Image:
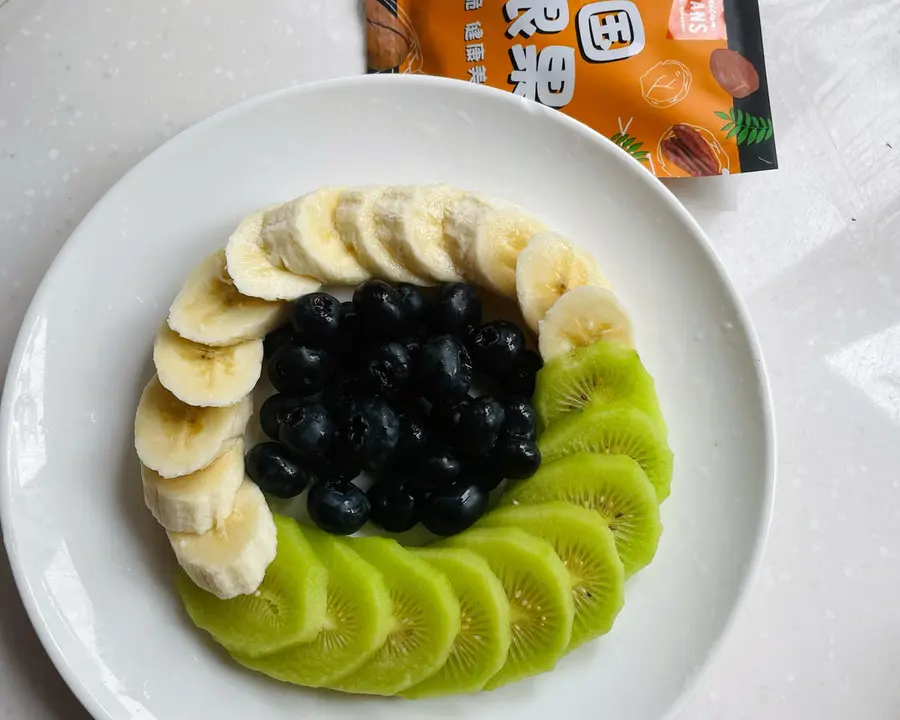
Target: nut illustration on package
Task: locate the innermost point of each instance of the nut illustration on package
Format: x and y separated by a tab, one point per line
673	67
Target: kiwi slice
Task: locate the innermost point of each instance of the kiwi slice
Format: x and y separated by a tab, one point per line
481	647
587	548
613	431
614	486
424	625
601	374
288	607
358	619
537	587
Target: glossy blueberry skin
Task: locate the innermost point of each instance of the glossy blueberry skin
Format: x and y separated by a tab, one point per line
521	418
414	435
496	347
412	304
457	310
479	426
438	467
308	432
454	508
395	506
443	373
369	430
378	307
275	410
337	467
276	470
350	335
316	319
516	458
298	370
386	369
444	418
521	379
277	339
483	474
339	508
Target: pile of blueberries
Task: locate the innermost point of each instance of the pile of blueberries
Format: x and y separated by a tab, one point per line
381	384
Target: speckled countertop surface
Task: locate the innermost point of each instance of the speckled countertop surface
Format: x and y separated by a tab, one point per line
89	88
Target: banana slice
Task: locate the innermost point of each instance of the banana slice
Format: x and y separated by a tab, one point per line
302	232
232	559
548	267
355	221
257	270
203	375
175	439
581	317
210	310
410	223
485	238
200	501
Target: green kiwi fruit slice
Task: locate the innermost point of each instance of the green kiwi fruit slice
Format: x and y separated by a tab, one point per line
358	619
601	374
288	607
481	647
613	486
424	625
587	548
613	431
537	587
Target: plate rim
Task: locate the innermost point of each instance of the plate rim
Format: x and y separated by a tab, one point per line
25	589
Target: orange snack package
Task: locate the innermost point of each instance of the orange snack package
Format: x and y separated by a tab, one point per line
680	85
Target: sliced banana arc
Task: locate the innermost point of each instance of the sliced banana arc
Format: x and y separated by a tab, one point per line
485	238
257	270
410	223
581	317
232	559
302	232
174	438
203	375
355	222
197	502
210	310
548	267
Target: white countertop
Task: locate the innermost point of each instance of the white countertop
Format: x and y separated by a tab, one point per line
89	88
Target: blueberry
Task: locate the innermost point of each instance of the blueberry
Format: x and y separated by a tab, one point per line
307	431
369	431
521	419
496	347
276	470
337	467
340	390
316	318
339	508
350	335
522	377
394	505
298	369
413	345
515	457
444	418
480	422
378	307
485	475
276	339
386	368
454	508
275	410
457	310
444	370
439	466
412	304
413	435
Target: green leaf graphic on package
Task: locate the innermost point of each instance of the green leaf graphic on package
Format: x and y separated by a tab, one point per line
747	128
631	145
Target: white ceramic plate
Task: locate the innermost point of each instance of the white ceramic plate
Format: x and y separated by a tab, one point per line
93	567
